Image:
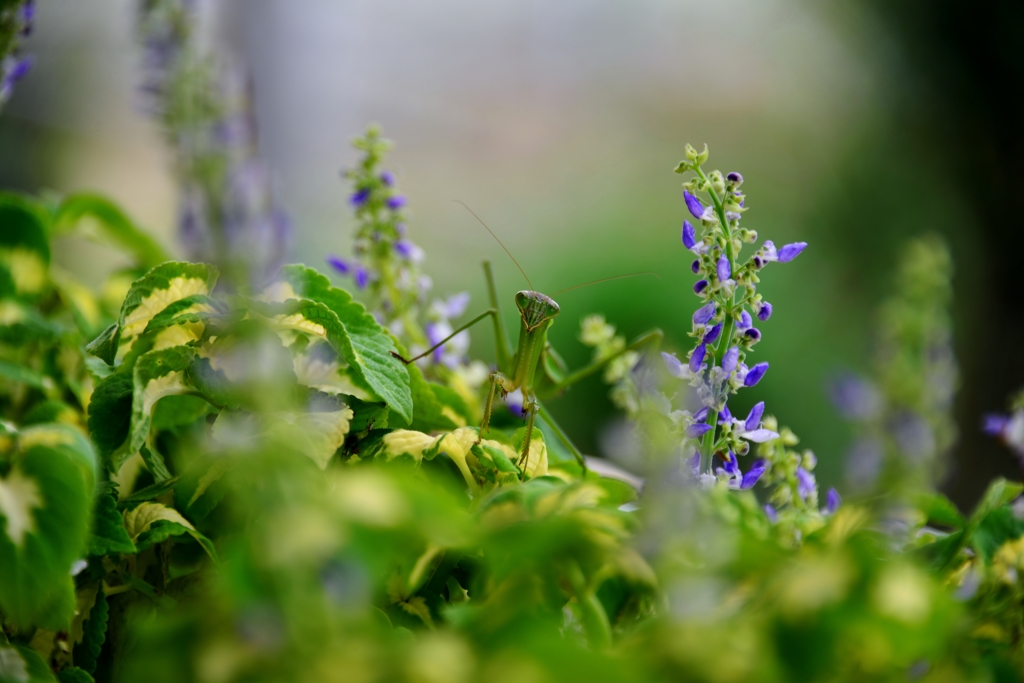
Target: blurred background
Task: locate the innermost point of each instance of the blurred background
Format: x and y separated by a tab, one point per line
857	124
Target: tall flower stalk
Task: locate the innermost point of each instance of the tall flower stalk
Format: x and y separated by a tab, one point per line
228	214
16	19
723	326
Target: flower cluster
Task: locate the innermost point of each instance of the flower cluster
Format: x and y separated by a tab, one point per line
228	213
598	334
16	20
386	264
1008	427
903	413
724	325
789	474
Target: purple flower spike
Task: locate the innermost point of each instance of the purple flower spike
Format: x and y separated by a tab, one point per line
361	276
697	357
832	501
724	415
699	286
994	424
771	514
338	264
712	335
693	204
359	197
791	251
701	414
724	269
753	333
753	474
765	311
805	482
753	420
388	178
734	177
397	202
689	235
755	374
695	266
697	430
729	360
704	314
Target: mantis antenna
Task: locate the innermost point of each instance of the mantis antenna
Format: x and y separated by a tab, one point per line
606	279
497	240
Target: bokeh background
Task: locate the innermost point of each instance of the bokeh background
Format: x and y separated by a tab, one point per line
857	123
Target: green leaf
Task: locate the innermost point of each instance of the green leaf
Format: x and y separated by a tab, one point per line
998	527
151	523
104	346
94	634
999	493
151	492
428	412
198	491
19	374
75	675
362	342
110	416
939	510
156	374
24	247
115	225
45	503
148	296
109	536
23	665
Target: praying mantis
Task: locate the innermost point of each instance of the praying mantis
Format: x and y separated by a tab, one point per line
534	367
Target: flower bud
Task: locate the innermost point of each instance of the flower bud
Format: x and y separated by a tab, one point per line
339	264
689	234
730	359
695	266
697	357
704	314
753	420
712	334
699	286
735	178
753	334
755	374
697	430
791	251
693	204
764	311
724	268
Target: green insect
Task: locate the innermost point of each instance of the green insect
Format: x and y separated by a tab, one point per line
519	369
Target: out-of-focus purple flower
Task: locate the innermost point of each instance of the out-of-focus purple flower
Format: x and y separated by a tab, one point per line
832	501
755	374
695	266
400	229
730	359
699	286
753	474
693	204
339	264
19	68
456	305
396	202
724	268
694	463
855	397
388	178
675	366
752	333
359	197
994	424
701	414
514	402
724	415
409	251
791	251
771	514
744	322
697	430
704	314
753	420
731	466
805	482
712	334
361	277
697	357
764	311
734	177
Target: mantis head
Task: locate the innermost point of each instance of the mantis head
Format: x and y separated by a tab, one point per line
535	308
